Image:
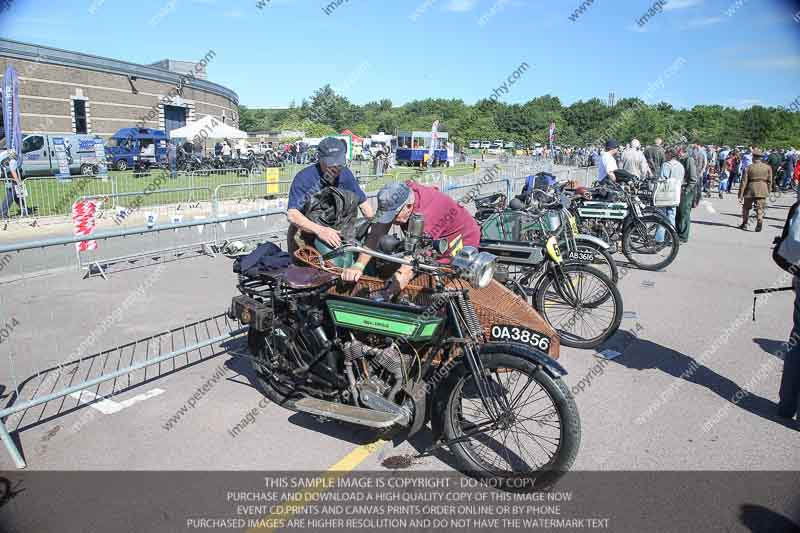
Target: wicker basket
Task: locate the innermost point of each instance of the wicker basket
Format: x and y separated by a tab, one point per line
494	305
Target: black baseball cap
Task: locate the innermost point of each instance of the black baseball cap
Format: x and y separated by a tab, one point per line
611	144
332	151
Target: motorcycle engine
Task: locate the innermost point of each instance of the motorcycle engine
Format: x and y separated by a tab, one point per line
389	366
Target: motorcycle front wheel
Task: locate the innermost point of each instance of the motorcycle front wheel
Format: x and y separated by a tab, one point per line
603	260
539	436
650	244
580	303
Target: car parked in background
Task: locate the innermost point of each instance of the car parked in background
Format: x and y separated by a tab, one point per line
475	144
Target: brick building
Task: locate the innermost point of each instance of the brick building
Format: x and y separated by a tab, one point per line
71	92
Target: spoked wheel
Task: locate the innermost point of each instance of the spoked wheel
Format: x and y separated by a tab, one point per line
601	261
535	440
650	244
277	386
581	303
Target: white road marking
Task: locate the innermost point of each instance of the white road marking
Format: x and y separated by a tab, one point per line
709	207
109	407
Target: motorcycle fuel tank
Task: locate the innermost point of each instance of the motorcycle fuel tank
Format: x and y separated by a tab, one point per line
613	210
390	320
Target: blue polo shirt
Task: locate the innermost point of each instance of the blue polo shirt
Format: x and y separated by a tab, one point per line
307	182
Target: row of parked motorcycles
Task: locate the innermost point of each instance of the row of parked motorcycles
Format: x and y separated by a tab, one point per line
470	347
248	162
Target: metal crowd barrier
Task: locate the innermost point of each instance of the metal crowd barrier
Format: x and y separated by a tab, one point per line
226	330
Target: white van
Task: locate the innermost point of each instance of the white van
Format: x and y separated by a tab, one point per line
39	158
474	144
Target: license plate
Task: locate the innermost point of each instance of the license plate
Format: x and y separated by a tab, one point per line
584	257
522	335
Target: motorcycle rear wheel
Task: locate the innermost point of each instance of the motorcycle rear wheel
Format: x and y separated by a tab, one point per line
638	243
539	404
270	385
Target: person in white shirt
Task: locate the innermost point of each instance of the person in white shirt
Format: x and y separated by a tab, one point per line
226	150
673	172
148	152
607	164
633	160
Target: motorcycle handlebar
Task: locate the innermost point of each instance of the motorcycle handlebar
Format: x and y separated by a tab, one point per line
380	255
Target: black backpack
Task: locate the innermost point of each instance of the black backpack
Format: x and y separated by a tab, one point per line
786	253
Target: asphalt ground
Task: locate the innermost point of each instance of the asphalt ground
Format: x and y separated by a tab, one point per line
638	413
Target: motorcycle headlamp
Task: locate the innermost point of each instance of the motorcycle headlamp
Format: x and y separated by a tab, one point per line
475	267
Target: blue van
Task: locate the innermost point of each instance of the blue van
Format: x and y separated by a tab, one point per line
129	146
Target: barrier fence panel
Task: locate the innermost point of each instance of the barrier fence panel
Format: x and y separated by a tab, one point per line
50	196
176	239
116	314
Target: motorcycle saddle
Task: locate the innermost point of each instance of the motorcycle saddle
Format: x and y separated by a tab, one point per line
300	278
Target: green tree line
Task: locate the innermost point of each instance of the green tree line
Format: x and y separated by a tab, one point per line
583	122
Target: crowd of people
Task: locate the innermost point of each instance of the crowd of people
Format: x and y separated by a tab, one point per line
695	169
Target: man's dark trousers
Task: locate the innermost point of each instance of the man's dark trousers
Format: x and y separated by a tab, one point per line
683	220
789	394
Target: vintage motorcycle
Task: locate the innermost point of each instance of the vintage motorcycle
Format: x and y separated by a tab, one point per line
537	217
578	299
490	391
617	213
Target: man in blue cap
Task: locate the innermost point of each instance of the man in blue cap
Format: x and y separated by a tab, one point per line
444	218
330	171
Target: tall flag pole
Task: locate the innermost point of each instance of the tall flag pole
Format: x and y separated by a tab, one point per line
11	119
434	136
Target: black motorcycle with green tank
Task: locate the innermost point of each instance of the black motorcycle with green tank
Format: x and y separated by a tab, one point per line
486	379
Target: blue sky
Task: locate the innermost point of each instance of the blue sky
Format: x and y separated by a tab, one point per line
737	52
